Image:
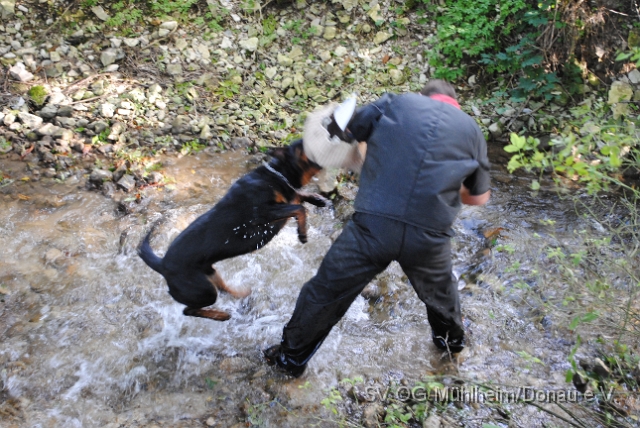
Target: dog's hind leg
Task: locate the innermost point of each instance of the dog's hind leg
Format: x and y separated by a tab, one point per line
212	314
219	283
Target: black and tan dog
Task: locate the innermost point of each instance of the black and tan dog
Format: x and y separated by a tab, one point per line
252	212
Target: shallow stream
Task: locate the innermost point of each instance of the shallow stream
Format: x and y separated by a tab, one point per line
90	336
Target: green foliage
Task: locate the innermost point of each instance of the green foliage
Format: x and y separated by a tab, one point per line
593	148
38	94
466	29
633	55
330	402
191	147
101	138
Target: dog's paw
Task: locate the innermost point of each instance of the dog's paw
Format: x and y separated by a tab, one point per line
240	294
319	201
302	238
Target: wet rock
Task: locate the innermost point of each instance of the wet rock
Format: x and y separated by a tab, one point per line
99	176
52	256
20	73
119	172
108	189
127	183
155	177
240	142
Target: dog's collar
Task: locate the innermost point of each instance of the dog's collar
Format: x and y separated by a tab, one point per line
270	169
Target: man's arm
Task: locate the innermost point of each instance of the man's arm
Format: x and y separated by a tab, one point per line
469	199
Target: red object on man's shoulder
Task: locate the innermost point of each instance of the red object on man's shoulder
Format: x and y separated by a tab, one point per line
445	99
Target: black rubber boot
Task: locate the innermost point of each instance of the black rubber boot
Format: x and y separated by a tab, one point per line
452	345
274	356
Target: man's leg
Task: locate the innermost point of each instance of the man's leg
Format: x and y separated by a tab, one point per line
357	256
426	259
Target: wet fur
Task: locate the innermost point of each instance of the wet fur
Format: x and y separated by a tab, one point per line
252	212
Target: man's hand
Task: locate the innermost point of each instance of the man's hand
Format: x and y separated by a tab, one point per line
469	199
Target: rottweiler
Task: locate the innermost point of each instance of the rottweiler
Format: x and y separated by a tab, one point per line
252	212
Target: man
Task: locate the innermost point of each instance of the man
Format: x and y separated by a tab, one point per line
424	157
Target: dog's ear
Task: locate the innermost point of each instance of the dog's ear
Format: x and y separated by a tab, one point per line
278	152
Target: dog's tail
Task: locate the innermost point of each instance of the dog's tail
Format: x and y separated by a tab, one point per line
146	253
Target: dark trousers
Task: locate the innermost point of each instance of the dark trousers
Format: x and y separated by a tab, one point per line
365	248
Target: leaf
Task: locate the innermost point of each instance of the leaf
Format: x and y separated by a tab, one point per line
535	185
510	148
588	317
624	55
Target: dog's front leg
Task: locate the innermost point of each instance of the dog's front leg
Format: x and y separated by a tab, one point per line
291	210
314	199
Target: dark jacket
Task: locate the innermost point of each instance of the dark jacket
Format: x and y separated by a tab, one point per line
419	152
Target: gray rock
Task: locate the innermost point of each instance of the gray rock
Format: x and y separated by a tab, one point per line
495	130
634	76
99	176
107	110
48	129
174	69
155	177
169	25
30	121
381	37
65	111
180	124
155	89
137	95
48	112
132	43
99	126
58	98
396	76
9	118
108	56
329	33
205	133
284	60
7	8
100	13
119	172
19	72
127	183
250	44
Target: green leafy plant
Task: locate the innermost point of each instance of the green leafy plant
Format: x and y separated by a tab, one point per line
191	147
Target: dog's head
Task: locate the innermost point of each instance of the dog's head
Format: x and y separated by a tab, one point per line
294	164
